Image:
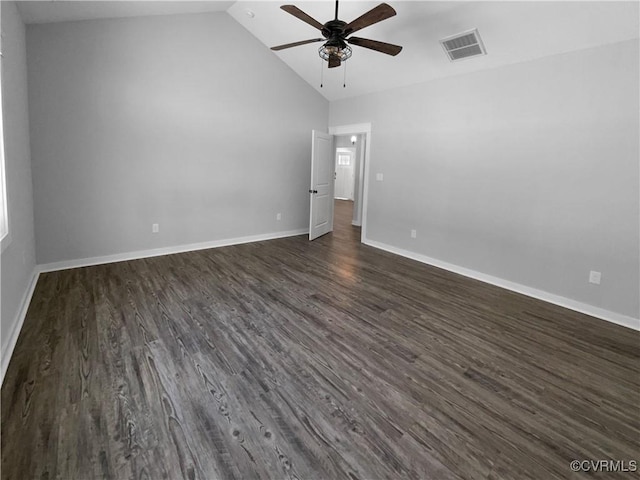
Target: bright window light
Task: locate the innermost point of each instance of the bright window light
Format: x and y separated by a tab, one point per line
4	221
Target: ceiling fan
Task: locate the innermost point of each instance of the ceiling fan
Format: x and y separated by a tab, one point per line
337	33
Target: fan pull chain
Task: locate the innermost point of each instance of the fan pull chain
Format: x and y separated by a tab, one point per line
321	71
344	80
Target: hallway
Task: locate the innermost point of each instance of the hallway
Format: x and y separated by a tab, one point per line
342	217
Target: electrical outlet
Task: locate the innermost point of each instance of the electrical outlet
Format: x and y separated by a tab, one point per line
279	216
155	228
414	234
594	277
379	177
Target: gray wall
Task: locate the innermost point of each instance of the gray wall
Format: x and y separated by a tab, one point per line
187	121
528	172
18	258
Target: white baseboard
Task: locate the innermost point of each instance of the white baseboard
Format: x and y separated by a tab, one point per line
613	317
156	252
7	350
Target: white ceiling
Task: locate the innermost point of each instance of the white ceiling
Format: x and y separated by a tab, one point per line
512	32
62	11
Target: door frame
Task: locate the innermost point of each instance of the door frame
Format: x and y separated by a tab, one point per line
359	129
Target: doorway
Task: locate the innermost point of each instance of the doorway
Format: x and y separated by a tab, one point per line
358	137
324	173
348	150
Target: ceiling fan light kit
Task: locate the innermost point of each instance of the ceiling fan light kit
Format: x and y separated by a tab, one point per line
337	34
329	52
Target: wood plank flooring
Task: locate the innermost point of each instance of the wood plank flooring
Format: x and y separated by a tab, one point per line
295	360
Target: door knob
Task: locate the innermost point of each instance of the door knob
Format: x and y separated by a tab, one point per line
313	191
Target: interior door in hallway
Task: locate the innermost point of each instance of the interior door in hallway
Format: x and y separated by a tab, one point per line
321	189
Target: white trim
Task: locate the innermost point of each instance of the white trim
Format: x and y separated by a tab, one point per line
354	129
18	321
601	313
360	161
156	252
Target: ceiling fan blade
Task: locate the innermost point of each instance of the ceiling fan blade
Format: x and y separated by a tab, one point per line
296	12
383	47
334	61
375	15
295	44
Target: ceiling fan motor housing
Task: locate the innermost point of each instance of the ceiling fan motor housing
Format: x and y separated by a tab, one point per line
333	29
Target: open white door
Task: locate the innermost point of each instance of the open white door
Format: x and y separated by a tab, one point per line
321	191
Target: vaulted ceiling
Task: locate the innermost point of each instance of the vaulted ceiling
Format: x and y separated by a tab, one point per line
63	11
512	32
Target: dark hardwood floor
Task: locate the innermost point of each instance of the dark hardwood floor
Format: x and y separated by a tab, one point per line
325	360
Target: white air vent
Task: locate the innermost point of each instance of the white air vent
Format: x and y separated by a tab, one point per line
463	45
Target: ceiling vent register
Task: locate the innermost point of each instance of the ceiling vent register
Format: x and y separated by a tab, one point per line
463	45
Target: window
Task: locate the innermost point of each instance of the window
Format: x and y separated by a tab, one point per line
344	160
4	221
